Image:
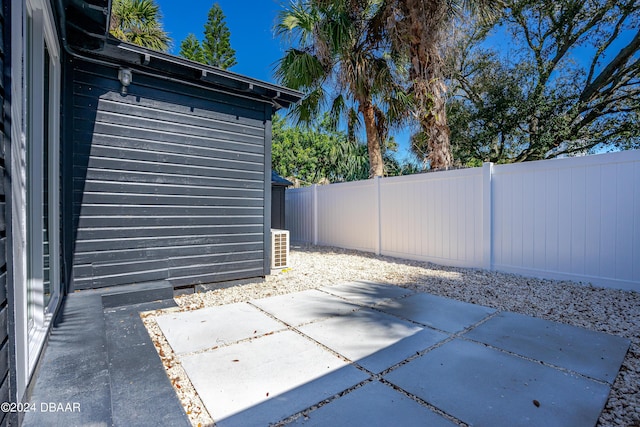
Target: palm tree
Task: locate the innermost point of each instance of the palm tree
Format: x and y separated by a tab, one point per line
415	29
138	22
338	65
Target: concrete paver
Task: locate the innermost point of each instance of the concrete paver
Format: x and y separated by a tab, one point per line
303	307
242	376
197	330
484	386
372	339
594	354
438	312
367	293
337	341
373	404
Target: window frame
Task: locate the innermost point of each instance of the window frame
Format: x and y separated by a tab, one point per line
40	40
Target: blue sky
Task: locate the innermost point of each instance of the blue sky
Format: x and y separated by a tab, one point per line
251	25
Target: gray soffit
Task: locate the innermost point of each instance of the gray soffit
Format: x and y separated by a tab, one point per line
84	24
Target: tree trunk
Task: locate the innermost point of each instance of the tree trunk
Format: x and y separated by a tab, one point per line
425	20
376	164
434	124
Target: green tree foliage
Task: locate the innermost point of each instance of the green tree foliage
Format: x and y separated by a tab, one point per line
569	85
190	48
216	48
315	154
341	68
138	22
217	40
320	154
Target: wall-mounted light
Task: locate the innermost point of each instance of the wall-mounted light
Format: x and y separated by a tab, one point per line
125	77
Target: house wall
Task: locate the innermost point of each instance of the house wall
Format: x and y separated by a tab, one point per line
571	219
277	207
169	181
4	307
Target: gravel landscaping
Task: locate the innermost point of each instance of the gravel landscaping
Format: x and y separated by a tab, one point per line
607	310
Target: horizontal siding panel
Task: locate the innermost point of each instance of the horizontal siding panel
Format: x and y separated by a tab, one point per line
88	210
125	154
104	270
212	260
81	271
166	179
159	199
160	232
206	147
129	255
149	118
207	269
166	221
123	279
193	265
151	242
179	266
178	277
167	190
216	276
85	129
84	135
80	169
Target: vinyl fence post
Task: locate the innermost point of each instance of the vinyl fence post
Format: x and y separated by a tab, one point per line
378	217
487	216
315	214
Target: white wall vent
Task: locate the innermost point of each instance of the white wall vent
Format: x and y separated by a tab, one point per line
279	249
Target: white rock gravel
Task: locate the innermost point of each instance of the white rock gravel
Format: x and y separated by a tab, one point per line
607	310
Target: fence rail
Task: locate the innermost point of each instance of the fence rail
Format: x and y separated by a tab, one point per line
575	219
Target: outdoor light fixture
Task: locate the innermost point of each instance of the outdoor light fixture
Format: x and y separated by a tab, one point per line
125	77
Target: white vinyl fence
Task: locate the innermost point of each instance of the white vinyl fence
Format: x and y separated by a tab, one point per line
576	218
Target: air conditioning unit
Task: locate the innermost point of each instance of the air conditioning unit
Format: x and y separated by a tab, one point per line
279	249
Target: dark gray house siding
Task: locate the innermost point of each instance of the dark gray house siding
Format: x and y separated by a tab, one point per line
5	380
168	181
277	207
278	188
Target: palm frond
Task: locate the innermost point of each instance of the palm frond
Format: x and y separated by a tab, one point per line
300	70
139	22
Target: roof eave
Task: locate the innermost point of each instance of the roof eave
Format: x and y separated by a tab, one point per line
85	34
280	96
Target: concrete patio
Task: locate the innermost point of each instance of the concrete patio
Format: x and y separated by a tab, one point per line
370	354
352	354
